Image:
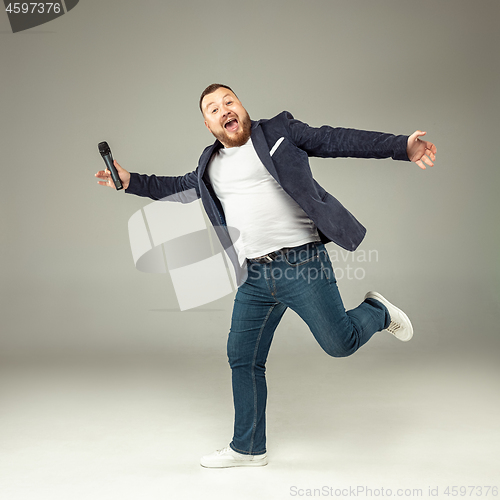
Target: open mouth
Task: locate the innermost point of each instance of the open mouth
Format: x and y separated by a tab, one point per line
231	125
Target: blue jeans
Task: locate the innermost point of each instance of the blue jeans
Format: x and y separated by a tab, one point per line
302	279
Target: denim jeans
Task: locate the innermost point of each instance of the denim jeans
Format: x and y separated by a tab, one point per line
302	279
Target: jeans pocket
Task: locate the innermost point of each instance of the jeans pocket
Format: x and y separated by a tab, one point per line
326	267
301	255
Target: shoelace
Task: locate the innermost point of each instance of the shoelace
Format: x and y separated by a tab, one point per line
393	327
227	448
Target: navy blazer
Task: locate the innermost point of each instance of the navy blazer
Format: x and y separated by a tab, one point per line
284	144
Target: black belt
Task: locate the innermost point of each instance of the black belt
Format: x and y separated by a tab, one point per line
269	257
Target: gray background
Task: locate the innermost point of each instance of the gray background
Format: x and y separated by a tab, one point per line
107	390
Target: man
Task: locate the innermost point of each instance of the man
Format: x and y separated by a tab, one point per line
256	179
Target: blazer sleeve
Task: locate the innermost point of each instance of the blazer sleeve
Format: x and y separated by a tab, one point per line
330	142
186	187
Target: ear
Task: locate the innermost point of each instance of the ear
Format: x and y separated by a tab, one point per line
206	125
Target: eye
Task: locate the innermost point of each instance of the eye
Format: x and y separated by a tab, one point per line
229	103
213	110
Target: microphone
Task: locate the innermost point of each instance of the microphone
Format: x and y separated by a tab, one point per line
108	160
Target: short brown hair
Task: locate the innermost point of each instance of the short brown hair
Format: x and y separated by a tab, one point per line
212	88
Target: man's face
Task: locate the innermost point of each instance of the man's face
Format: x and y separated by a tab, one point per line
226	118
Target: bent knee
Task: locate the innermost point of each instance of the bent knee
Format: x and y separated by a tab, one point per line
339	353
339	350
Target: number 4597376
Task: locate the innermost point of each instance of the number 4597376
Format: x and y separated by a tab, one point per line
32	8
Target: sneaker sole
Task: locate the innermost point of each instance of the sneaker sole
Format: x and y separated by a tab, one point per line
242	463
383	300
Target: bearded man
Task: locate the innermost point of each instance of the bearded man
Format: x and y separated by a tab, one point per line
256	178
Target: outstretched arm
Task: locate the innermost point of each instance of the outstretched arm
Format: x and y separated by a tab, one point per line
329	142
421	152
339	142
152	186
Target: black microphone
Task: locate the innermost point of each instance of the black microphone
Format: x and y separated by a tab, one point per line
108	160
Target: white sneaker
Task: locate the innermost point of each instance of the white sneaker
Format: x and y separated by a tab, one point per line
227	457
400	325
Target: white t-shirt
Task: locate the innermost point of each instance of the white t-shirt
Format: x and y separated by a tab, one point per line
264	216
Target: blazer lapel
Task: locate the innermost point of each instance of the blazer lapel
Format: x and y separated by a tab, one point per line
262	149
206	158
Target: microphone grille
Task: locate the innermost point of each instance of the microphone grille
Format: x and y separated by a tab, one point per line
104	148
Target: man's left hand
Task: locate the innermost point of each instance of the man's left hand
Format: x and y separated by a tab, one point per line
421	152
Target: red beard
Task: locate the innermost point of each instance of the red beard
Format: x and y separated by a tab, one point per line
238	139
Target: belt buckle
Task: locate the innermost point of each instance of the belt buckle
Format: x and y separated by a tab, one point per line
269	257
264	259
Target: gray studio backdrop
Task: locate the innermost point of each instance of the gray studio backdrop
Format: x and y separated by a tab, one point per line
130	73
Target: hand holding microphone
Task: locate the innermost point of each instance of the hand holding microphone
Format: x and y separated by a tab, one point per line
114	176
